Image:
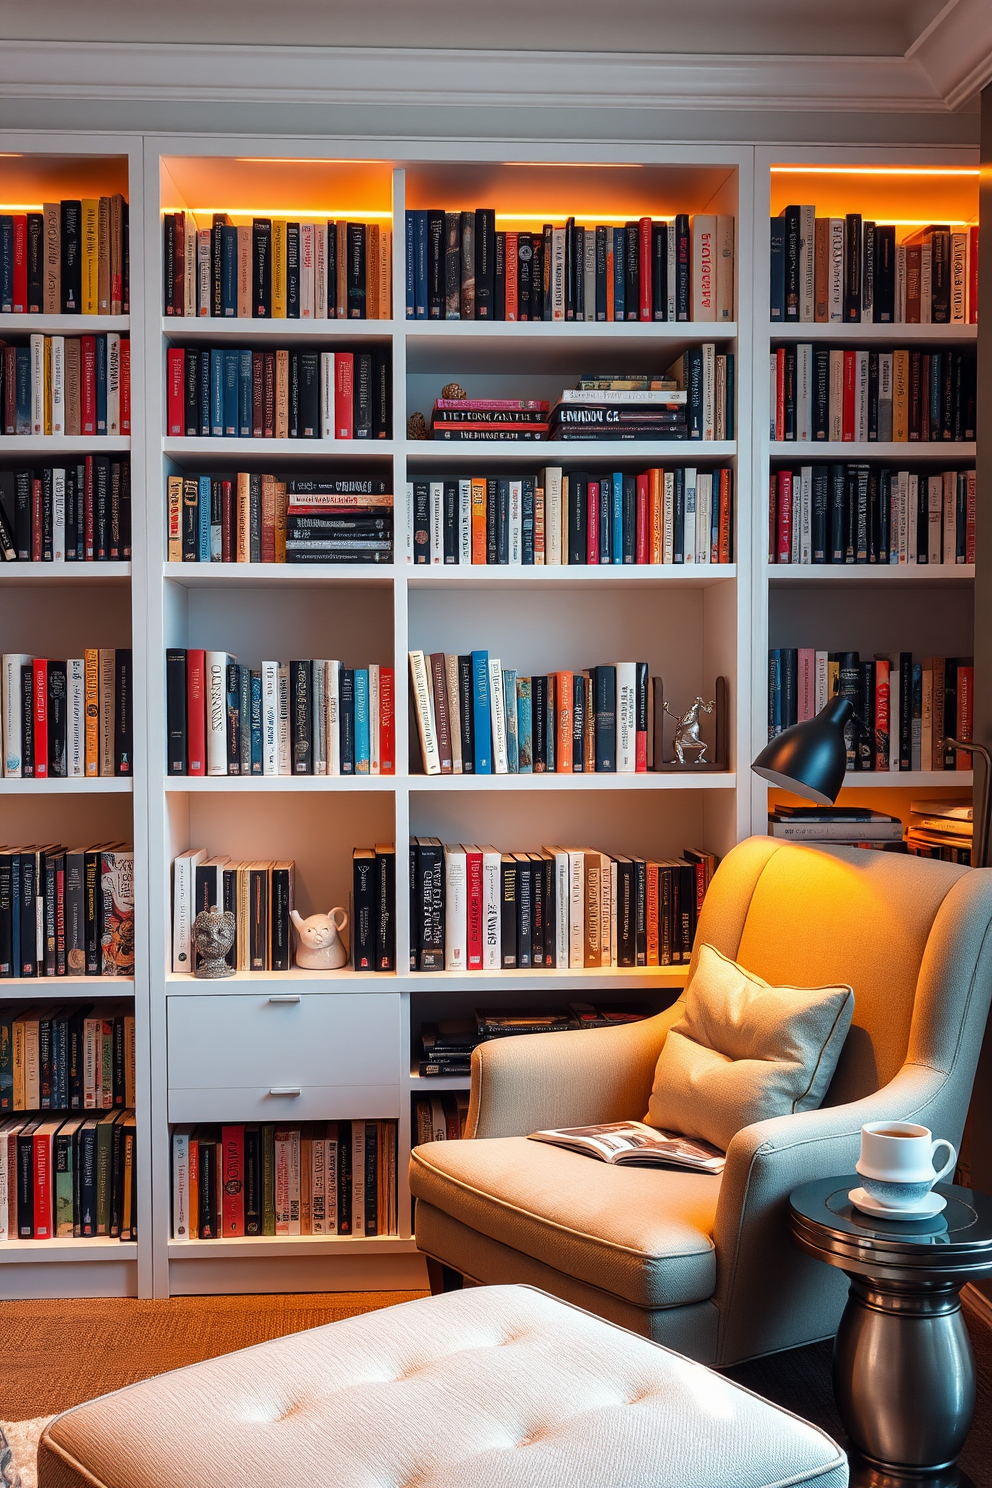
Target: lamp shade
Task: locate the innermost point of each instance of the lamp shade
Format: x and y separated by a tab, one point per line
810	759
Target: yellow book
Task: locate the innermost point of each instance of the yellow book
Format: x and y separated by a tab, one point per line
242	541
278	268
175	519
385	274
107	661
91	661
372	272
900	396
90	235
103	276
478	521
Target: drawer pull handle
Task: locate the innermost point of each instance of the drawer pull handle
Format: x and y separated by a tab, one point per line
287	998
285	1090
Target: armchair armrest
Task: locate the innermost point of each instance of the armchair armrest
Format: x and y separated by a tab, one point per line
524	1084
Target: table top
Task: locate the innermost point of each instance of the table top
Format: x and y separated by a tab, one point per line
955	1242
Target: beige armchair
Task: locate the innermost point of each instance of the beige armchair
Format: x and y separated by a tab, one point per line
704	1264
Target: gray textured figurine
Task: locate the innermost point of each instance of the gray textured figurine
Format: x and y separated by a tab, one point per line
213	937
321	947
687	730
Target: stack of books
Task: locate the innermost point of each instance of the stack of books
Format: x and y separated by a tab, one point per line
940	829
71	258
66	385
67	719
620	408
63	1179
78	513
853	826
446	1049
373	908
65	912
481	419
440	1117
75	1057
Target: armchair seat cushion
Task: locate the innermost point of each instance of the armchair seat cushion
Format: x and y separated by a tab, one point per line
645	1235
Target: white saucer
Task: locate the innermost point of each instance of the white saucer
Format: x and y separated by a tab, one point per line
931	1206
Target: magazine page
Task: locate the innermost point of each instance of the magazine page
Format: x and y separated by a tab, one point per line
632	1141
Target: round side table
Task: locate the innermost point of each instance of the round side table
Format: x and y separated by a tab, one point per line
904	1374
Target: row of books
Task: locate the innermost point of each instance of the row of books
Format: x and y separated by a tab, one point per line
271	269
71	1058
66	911
478	909
941	829
858	513
69	385
441	1117
559	516
79	513
69	1179
459	267
282	393
71	258
258	518
258	894
67	719
446	1049
284	718
321	1178
847	271
824	392
850	826
904	710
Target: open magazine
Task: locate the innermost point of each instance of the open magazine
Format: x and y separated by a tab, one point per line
632	1142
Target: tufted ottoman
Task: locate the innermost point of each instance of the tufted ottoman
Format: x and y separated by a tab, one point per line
495	1387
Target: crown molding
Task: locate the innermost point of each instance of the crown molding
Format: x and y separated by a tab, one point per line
938	76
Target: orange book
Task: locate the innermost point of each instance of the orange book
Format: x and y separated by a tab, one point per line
564	685
372	274
280	503
651	907
478	520
656	502
91	673
267	536
194	1188
726	519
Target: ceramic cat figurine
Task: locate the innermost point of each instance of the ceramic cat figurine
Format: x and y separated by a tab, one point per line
320	945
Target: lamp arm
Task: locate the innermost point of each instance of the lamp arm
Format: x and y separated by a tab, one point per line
982	810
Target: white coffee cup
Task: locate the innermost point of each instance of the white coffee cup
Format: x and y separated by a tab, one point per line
896	1165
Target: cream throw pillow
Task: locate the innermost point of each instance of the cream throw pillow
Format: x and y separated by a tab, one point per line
743	1051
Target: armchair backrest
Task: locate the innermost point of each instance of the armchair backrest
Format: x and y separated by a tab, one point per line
884	923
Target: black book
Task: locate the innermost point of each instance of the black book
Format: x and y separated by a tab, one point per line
301	715
537	913
492	528
678	516
537	292
73	526
849	686
452	266
435	265
25	1181
363	395
527	521
868	272
579	248
861	513
381	394
508	915
502	521
169	262
450	521
570	269
36	262
261	267
884	514
93	907
836	511
430	904
790	686
253	1180
467	714
852	267
866	716
347	713
485	261
48	515
632	273
873	517
356	270
191	519
332	271
292	271
884	288
792	217
209	1205
57	720
29	908
578	723
499	276
71	268
873	395
940	275
385	907
906	709
605	722
421	521
363	921
123	726
281	904
683	267
310	395
525	276
294	395
371	1178
101	505
232	714
625	921
525	910
578	490
539	726
27	721
819	514
217	226
659	270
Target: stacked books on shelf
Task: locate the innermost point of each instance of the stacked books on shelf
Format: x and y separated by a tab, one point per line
844	270
69	1179
76	1057
940	829
446	1047
71	258
283	718
477	909
694	399
863	513
79	513
252	517
459	267
258	894
558	516
281	393
373	908
67	719
849	826
440	1117
65	912
905	710
481	419
271	269
66	385
321	1178
901	396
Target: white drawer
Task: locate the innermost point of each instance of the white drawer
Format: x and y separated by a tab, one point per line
307	1056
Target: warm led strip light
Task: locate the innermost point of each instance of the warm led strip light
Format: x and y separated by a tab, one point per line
874	170
299	160
597	218
289	212
21	207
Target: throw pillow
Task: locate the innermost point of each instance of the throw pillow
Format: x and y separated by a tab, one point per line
744	1050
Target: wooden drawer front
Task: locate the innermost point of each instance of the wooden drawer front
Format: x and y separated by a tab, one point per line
346	1046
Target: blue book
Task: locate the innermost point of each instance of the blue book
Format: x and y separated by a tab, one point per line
526	524
216	391
205	393
510	709
230	394
411	273
204	501
22	389
525	727
6	264
420	263
619	280
616	518
101	384
363	743
244	393
605	513
229	271
776	303
481	717
256	723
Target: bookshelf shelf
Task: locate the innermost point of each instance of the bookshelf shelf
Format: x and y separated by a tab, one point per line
474	983
67	986
864	780
948	451
269	449
100	786
607	576
902	575
566	347
65	573
247	1246
280	575
63	325
64	444
673	780
200	784
899	334
230	329
50	1251
575	452
427	1084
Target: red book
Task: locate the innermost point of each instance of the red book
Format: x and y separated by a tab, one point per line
783	540
849	416
973	275
644	268
881	713
344	384
257	394
232	1168
87	384
226	520
726	516
20	300
387	722
772	517
965	720
780	393
176	392
42	1155
642	522
592	522
40	689
510	270
196	713
474	908
37	522
125	385
89	506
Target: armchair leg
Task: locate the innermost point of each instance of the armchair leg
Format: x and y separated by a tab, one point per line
442	1278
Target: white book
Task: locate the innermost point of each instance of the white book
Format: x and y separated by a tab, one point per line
552	514
835	271
37	384
668	519
562	883
465	521
491	910
374	755
894	712
935	504
454	712
926	283
902	484
306	271
331	1181
724	267
821	679
332	688
497	712
424	712
189	266
455	908
516	520
58	515
319	670
57	353
861	396
836	395
203	269
183	898
244	240
576	908
703	231
437	521
76	718
672	279
358	1178
12	721
912	516
282	720
807	260
318	1187
688	519
804	391
327	395
270	718
627	715
806	514
959	278
408	533
7	1212
217	712
704	515
113	383
709	390
320	271
885	397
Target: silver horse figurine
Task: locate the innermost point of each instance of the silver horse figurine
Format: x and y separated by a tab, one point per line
687	730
